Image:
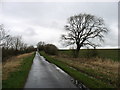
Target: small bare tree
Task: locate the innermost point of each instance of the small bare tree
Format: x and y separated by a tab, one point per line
82	28
3	35
17	42
40	45
8	42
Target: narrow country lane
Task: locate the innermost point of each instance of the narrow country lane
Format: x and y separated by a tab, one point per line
46	75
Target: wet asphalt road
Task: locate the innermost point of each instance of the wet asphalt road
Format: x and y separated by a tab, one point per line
46	75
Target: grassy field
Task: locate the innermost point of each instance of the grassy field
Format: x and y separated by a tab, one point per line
104	66
89	79
111	54
15	70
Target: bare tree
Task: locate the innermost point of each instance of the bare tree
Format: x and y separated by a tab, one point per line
23	46
41	45
82	28
3	35
8	42
17	43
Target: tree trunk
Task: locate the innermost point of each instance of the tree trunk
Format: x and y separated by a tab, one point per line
77	51
77	54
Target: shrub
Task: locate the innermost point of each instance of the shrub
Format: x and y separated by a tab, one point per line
51	49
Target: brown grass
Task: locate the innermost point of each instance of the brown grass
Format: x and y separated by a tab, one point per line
105	67
11	64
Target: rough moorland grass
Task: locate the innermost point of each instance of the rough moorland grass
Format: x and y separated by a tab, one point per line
86	80
17	78
102	53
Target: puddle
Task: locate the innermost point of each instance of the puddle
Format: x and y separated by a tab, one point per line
76	82
79	84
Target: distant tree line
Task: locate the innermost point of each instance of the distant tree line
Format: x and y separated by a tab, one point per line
12	45
47	48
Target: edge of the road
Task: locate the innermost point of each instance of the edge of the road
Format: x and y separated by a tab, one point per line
18	77
73	80
88	82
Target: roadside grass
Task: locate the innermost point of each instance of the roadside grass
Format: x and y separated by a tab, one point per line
87	80
103	67
111	54
106	71
16	78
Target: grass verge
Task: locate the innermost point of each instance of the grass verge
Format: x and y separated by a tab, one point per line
18	77
106	70
85	79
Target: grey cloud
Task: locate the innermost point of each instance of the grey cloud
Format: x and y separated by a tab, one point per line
46	12
30	32
34	19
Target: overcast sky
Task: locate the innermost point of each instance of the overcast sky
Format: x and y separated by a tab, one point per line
44	21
